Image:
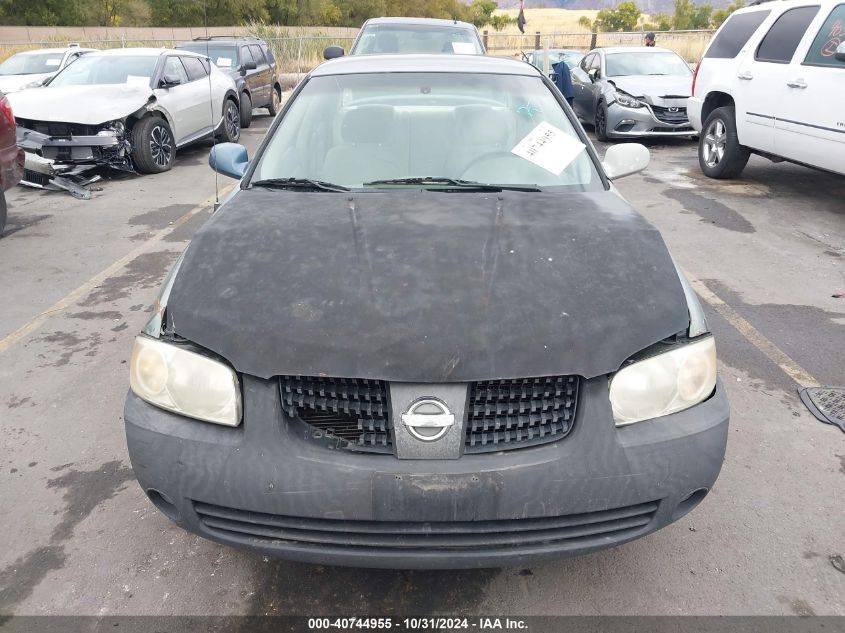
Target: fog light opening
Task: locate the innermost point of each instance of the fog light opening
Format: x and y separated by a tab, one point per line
689	502
163	503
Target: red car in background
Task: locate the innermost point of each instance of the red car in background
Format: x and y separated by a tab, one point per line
11	156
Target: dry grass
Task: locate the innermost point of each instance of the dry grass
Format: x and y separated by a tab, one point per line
548	20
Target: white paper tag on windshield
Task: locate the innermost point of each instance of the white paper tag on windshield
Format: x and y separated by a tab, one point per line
137	80
463	48
223	62
549	147
53	62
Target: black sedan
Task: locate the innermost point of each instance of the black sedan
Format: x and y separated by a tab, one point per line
426	332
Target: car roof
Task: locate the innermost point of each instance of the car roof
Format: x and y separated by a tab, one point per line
41	51
233	40
140	52
782	5
632	49
364	64
420	22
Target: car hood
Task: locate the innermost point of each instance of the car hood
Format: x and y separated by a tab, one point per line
88	105
427	286
13	83
659	86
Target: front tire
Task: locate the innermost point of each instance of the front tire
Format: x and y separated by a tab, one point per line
720	154
275	101
153	147
246	111
600	122
231	131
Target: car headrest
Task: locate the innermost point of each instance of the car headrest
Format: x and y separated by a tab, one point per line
368	124
483	125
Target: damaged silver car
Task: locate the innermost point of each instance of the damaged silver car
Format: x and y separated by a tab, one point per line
129	109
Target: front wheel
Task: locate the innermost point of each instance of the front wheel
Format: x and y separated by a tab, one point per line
275	101
600	122
720	154
153	147
246	111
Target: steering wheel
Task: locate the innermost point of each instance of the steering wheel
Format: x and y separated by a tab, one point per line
525	56
511	169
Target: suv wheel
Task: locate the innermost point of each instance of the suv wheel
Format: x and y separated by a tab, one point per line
154	149
600	122
719	153
275	101
246	110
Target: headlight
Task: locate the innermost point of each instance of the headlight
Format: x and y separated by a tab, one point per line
624	99
184	382
664	384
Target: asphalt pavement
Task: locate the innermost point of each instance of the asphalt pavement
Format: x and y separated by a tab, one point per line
766	253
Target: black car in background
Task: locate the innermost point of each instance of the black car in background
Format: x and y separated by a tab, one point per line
251	64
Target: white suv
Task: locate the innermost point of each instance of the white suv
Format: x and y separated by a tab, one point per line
772	82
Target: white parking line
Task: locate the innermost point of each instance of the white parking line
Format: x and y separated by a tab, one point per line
33	324
753	335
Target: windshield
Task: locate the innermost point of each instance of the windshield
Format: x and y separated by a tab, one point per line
350	130
414	38
572	58
646	63
107	69
31	63
222	56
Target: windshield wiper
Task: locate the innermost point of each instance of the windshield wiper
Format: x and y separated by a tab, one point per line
452	183
302	184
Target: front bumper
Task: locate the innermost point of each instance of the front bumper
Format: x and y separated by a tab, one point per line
624	122
266	487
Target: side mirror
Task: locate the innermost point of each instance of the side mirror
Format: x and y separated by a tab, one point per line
840	52
229	159
594	74
250	65
168	81
332	52
625	159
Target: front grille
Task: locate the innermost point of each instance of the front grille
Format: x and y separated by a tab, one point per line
664	115
35	178
487	536
508	414
58	129
353	411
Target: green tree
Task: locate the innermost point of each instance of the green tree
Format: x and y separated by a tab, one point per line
660	22
43	13
481	12
585	22
689	16
624	17
722	14
500	21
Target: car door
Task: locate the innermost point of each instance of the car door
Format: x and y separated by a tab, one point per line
251	77
264	74
810	126
762	77
583	86
185	101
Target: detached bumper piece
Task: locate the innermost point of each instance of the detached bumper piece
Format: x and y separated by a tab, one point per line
59	156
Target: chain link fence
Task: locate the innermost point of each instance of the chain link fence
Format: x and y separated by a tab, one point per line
688	44
297	55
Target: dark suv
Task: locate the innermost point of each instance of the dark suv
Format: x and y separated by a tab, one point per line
251	64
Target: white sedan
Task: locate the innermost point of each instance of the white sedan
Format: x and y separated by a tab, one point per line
30	69
126	108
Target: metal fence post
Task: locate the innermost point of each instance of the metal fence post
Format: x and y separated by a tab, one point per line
537	40
593	38
484	38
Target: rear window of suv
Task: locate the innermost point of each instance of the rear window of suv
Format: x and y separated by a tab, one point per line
822	50
735	34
